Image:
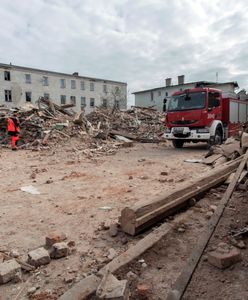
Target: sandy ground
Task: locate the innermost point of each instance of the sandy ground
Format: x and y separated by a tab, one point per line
73	191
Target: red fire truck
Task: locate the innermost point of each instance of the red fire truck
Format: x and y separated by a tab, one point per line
204	114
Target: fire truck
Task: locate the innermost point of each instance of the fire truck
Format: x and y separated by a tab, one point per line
204	114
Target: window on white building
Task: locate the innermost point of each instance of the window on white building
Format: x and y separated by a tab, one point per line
73	84
28	96
45	80
62	83
151	96
105	88
8	97
7	75
159	93
92	87
28	78
92	102
105	103
46	96
166	94
82	85
63	99
73	100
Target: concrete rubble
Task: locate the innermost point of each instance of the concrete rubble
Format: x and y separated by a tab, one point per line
112	288
8	270
39	257
103	131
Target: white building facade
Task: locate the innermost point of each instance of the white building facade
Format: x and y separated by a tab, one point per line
20	85
155	97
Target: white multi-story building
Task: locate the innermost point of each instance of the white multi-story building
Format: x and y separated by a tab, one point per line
155	97
19	85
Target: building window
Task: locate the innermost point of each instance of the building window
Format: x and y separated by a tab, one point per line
104	103
73	100
28	96
7	75
45	80
151	96
82	85
8	97
159	93
63	99
92	102
46	96
92	87
83	103
73	84
166	94
28	78
105	88
62	83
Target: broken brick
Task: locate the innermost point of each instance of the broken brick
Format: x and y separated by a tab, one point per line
38	257
59	250
55	237
8	270
224	256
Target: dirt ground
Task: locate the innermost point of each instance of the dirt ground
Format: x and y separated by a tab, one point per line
230	283
77	196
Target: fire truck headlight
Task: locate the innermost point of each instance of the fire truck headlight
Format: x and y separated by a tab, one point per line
203	130
167	130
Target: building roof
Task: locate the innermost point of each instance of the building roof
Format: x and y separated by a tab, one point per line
195	83
10	66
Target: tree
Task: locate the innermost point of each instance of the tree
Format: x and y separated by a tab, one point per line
114	99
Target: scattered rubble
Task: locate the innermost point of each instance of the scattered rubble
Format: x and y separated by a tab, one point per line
8	270
46	125
59	250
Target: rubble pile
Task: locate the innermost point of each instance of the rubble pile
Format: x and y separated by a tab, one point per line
47	124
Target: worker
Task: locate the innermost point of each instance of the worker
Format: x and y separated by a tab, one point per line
14	130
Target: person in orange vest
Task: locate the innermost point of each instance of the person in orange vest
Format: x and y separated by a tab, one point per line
14	130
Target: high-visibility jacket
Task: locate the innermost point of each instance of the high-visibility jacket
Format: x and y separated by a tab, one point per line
13	125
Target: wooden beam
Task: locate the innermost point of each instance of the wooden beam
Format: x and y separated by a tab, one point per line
183	280
148	212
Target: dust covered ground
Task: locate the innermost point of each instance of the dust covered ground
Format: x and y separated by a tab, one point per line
81	197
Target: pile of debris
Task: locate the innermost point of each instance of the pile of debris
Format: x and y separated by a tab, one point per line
47	124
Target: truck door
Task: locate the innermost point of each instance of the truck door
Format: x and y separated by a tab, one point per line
214	106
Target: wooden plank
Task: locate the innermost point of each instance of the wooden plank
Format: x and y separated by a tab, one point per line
148	212
183	280
135	251
211	159
231	176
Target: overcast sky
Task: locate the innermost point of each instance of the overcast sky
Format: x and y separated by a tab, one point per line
140	42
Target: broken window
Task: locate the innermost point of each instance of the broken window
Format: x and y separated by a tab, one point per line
28	78
92	102
46	96
62	83
73	84
63	99
105	88
28	96
45	80
7	75
92	87
82	85
73	100
8	97
83	101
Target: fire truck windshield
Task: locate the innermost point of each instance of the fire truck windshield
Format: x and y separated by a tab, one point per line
187	101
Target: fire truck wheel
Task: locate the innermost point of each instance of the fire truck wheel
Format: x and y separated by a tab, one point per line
217	138
177	143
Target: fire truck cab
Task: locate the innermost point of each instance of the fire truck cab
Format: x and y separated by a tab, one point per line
203	115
